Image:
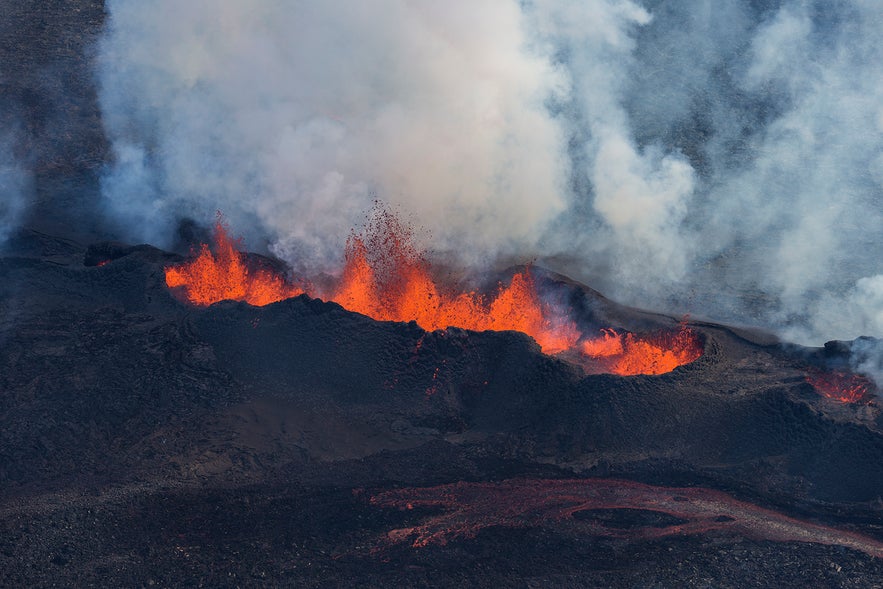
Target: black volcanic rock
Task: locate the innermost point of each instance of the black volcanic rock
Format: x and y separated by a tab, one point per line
142	438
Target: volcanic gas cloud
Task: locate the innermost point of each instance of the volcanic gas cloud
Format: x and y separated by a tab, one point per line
386	278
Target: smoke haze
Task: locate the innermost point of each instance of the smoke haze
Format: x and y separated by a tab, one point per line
13	186
716	157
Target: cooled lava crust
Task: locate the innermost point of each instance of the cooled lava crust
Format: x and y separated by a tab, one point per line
145	440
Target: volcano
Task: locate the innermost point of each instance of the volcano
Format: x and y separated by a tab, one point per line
147	438
204	417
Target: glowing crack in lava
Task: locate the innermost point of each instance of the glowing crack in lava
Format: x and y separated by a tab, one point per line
842	386
522	503
386	278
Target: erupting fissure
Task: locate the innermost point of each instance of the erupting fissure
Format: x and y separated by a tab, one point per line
386	278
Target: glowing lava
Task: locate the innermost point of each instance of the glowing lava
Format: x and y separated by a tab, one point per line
628	354
224	275
462	510
386	278
842	386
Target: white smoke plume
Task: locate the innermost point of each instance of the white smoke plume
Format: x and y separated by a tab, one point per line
639	195
722	157
295	116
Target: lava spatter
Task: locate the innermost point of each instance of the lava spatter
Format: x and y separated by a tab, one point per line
385	277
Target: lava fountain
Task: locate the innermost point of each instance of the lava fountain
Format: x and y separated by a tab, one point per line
386	278
225	275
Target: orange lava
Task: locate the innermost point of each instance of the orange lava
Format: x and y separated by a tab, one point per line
628	354
386	278
841	386
224	275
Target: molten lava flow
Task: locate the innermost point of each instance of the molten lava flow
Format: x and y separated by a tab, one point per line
628	354
225	275
462	510
841	386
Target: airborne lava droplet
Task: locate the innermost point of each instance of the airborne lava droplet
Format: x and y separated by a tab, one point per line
386	278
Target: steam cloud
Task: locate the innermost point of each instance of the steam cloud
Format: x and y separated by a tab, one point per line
723	157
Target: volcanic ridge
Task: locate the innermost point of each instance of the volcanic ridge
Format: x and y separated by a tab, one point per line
150	432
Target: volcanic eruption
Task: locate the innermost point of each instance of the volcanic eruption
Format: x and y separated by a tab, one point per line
386	278
646	402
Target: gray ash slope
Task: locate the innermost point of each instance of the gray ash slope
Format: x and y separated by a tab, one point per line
142	439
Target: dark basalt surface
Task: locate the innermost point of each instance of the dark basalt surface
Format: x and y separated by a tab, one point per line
146	441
